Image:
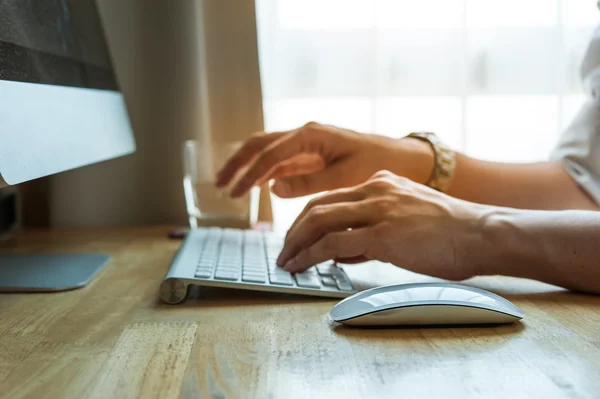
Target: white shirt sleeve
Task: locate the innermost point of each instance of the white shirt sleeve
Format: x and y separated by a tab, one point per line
579	146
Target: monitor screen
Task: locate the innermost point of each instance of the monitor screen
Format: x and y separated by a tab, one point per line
60	105
55	42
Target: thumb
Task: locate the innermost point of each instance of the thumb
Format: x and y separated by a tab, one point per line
298	186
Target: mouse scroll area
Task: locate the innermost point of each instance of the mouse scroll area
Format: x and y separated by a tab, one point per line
429	315
425	304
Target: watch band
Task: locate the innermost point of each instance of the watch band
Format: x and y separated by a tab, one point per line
444	162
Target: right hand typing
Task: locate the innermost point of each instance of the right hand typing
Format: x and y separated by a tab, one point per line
316	158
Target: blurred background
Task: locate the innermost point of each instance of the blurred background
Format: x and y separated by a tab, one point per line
496	79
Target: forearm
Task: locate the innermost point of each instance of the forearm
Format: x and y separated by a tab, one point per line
557	247
545	186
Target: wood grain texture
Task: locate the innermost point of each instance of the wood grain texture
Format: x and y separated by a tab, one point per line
115	339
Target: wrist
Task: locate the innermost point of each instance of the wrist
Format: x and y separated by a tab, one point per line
470	237
415	159
507	246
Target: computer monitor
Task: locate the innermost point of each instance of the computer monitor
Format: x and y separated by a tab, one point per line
60	108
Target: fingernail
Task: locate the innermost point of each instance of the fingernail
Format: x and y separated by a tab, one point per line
284	255
289	265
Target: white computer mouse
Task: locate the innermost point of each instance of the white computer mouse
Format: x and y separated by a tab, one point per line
424	304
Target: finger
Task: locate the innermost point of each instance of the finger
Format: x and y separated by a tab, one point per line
341	244
302	164
305	184
273	155
351	261
244	155
323	220
337	196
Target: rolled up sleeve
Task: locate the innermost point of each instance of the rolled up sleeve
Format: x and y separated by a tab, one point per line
578	149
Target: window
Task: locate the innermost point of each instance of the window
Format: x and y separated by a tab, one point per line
480	73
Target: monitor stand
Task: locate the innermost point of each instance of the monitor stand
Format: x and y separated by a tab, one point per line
48	272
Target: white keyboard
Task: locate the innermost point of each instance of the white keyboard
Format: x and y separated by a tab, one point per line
245	259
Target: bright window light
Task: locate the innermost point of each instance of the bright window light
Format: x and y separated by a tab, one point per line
512	13
497	79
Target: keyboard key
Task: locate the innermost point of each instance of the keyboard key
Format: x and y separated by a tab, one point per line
206	263
254	279
226	275
250	256
279	272
229	262
345	287
228	269
272	266
280	276
342	281
230	253
261	266
327	268
272	260
255	270
203	273
328	281
254	258
251	251
307	280
230	259
281	280
254	273
255	263
340	276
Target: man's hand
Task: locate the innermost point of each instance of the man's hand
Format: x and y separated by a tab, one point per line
390	219
316	158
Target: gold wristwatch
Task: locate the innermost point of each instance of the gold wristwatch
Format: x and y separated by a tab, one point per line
444	162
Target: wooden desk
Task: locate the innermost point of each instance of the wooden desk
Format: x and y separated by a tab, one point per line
114	339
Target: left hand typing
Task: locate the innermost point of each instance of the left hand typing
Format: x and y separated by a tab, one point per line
390	219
